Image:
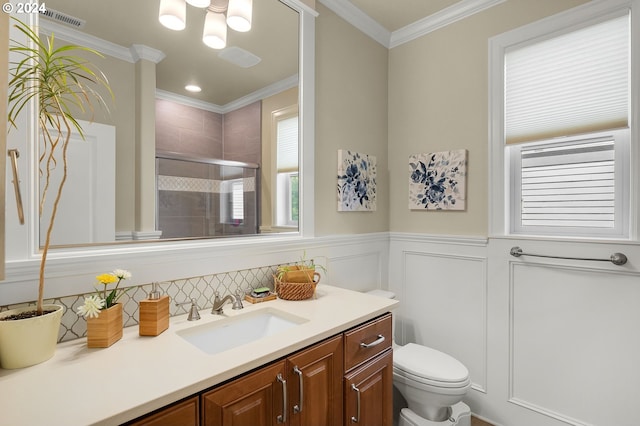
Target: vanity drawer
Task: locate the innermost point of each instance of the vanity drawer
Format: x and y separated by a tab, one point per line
367	341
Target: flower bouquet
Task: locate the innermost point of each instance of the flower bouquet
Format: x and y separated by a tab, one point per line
103	312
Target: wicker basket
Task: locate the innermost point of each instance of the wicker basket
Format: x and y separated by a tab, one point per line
295	291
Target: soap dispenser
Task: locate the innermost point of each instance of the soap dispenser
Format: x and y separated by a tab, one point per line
154	313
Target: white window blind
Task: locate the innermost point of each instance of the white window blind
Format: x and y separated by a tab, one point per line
573	83
571	185
287	142
237	197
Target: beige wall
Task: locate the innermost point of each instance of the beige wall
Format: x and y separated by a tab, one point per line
438	87
122	114
351	113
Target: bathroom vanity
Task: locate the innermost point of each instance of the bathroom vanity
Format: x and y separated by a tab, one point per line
333	363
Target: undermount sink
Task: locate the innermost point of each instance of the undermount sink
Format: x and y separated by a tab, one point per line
228	333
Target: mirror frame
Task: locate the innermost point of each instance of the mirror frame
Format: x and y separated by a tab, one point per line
61	256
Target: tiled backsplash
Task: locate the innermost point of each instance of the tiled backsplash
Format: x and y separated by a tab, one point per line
201	289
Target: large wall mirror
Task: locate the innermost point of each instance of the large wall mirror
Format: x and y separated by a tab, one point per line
166	163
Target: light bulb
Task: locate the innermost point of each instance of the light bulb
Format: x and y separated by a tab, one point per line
214	33
173	14
239	15
199	3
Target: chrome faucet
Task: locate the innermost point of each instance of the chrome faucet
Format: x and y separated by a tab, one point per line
218	303
194	315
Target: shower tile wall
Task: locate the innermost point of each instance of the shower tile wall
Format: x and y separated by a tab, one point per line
187	130
242	134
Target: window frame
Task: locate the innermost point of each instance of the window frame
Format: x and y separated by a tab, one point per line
284	200
621	187
500	219
281	209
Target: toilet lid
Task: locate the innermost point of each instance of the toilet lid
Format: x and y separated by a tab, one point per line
430	364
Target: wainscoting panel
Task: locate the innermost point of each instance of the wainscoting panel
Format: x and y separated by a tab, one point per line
359	272
442	289
574	342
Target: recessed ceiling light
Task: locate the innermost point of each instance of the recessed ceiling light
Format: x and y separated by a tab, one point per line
193	88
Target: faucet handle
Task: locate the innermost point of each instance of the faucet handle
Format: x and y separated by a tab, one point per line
194	315
237	301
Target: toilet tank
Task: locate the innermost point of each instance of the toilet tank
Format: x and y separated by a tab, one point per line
382	293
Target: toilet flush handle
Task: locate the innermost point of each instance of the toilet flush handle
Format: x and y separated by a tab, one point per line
376	342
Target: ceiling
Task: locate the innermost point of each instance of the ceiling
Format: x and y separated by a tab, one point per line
188	60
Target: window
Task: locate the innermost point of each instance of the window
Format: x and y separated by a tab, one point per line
232	205
562	126
571	186
287	172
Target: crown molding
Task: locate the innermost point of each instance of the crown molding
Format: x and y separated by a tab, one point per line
78	37
447	16
140	51
258	95
356	17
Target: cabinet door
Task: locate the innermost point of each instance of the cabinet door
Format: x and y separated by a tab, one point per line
315	385
183	413
368	392
252	400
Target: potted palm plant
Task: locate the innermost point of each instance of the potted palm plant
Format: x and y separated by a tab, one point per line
64	85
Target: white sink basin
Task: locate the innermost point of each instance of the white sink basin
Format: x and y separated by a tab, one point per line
228	333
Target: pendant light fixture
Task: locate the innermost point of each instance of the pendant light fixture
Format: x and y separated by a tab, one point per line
214	33
173	14
220	13
239	15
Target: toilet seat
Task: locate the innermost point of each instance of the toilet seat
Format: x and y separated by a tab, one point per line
429	367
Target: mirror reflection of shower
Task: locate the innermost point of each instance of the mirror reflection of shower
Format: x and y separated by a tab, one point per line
205	197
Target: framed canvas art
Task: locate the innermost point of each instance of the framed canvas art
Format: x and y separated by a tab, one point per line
437	180
356	181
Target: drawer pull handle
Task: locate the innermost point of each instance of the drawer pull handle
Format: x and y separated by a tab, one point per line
298	407
357	391
376	342
282	418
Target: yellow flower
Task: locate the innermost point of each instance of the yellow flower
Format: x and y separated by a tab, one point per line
107	278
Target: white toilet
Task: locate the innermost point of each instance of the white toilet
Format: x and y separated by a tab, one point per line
432	383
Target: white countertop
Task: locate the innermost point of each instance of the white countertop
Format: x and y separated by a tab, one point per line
82	386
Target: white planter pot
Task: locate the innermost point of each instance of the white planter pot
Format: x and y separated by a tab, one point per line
29	341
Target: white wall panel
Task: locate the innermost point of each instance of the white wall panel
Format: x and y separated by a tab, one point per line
574	342
442	292
359	272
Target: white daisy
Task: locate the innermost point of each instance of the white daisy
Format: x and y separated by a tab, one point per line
122	274
92	306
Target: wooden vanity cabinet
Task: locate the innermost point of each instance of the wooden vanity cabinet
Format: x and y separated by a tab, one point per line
311	381
254	399
368	380
343	380
183	413
315	384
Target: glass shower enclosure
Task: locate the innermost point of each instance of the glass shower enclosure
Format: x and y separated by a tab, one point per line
205	197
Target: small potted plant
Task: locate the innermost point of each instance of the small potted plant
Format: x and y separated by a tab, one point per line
103	312
61	84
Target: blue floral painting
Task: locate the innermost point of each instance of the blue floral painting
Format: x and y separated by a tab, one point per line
437	181
356	181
